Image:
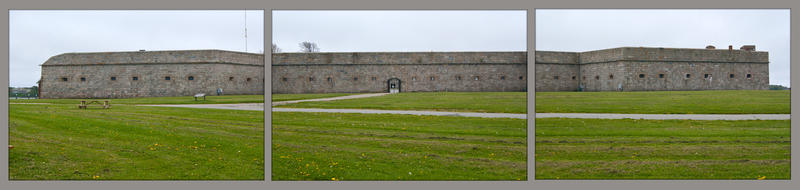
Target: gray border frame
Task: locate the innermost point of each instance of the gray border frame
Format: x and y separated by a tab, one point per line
368	4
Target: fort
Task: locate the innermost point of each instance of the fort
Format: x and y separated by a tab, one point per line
151	74
653	69
360	72
185	73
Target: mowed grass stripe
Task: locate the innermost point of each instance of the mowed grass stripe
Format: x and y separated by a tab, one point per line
666	102
486	102
62	142
663	169
664	152
660	128
661	149
135	116
391	147
358	132
431	147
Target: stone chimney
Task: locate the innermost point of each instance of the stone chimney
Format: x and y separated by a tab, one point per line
710	47
730	47
748	47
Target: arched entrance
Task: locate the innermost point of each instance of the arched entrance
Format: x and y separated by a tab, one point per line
393	85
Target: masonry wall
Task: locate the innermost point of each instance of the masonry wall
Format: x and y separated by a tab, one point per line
609	69
675	76
557	77
603	76
89	75
418	72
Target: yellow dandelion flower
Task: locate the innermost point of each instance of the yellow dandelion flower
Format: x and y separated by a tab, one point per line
95	177
333	179
762	177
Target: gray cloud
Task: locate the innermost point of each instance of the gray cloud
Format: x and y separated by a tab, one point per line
398	31
35	36
586	30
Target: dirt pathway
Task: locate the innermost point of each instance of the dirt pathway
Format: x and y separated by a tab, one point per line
329	99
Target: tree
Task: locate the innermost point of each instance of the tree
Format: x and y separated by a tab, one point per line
308	47
34	91
275	49
777	87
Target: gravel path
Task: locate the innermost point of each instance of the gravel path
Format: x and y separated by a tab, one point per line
667	116
329	99
436	113
251	106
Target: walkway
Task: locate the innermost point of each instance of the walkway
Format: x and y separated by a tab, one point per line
330	99
435	113
250	106
667	116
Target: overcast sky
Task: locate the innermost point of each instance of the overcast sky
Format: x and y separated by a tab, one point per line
586	30
35	36
401	31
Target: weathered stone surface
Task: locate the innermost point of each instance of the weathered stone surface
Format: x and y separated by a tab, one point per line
641	69
208	69
417	71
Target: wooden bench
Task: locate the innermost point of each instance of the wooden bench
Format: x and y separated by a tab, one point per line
85	104
200	95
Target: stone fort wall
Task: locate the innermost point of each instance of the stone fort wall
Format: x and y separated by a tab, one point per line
145	73
644	69
417	71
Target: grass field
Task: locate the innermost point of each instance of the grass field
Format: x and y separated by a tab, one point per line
226	99
60	141
661	149
666	102
288	97
491	102
333	146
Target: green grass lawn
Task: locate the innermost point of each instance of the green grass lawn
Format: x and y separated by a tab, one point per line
666	102
491	102
661	149
60	141
333	146
226	99
288	97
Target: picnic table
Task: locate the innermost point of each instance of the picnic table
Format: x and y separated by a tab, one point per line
85	104
200	95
